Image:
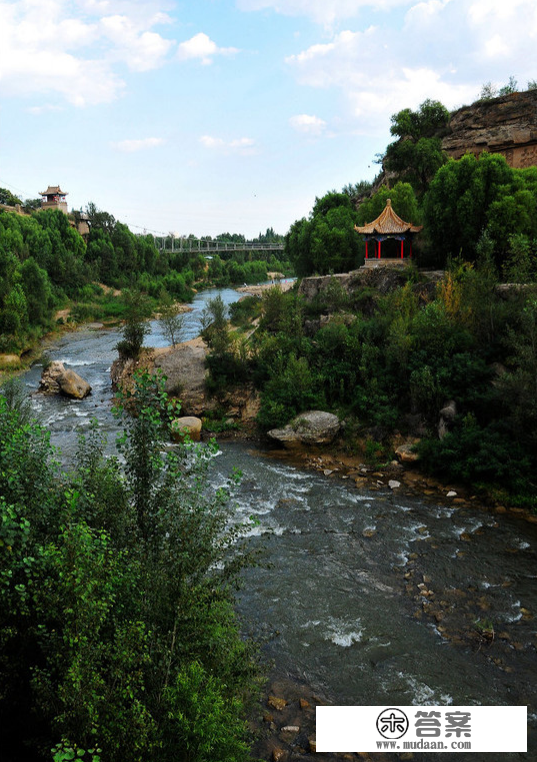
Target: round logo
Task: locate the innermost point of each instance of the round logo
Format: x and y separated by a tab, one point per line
392	723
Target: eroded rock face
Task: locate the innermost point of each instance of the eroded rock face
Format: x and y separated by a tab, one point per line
506	125
312	428
315	284
383	279
57	379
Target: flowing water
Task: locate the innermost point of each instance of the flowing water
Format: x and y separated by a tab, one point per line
373	598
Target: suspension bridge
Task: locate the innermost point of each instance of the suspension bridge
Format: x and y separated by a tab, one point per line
204	246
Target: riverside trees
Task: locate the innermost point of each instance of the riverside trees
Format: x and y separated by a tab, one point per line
326	241
118	638
475	197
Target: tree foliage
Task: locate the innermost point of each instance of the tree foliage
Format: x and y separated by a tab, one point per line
8	198
417	154
475	196
326	242
118	638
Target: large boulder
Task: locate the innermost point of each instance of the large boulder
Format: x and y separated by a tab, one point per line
72	385
185	371
405	453
57	379
187	425
315	427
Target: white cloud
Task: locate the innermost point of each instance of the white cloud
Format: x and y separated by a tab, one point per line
141	51
496	46
201	46
481	11
72	49
310	125
131	146
326	12
46	108
244	146
444	50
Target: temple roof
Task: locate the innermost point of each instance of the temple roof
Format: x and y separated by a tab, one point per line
53	190
388	223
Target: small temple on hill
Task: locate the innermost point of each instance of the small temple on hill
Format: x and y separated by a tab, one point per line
54	198
388	225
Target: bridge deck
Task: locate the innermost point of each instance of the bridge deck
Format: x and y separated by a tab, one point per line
213	247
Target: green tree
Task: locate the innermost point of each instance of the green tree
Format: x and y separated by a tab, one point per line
326	242
7	198
171	318
136	327
37	289
117	630
32	205
417	155
404	203
214	319
470	196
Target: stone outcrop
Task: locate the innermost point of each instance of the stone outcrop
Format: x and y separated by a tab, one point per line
506	125
447	418
186	374
312	428
185	371
383	280
314	285
56	379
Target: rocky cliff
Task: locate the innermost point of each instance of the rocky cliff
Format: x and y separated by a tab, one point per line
506	125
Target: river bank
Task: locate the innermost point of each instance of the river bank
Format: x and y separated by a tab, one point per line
367	593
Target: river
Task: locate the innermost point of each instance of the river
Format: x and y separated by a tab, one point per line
373	598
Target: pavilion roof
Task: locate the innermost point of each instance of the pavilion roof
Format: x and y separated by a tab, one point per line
388	223
53	190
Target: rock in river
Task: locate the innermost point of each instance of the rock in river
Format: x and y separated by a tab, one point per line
312	428
57	379
187	425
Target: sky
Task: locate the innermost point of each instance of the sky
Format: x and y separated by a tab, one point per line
210	116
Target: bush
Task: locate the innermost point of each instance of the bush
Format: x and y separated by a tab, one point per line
136	327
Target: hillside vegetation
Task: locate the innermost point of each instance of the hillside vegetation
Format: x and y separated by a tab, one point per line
389	356
45	265
464	206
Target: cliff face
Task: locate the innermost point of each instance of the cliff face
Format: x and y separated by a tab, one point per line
506	125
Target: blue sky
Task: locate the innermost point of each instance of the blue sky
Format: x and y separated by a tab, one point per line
209	116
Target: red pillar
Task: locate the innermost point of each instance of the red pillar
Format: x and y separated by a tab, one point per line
366	254
401	248
379	249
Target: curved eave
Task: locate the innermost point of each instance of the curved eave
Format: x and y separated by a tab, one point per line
371	229
388	223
